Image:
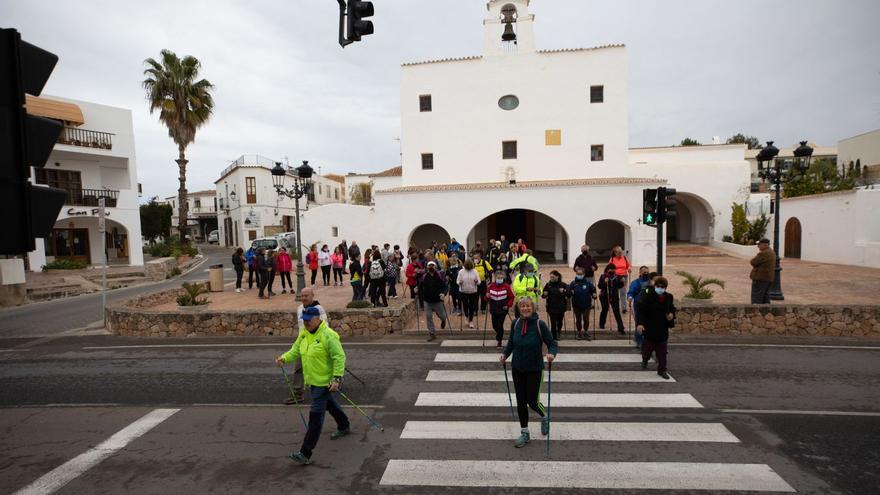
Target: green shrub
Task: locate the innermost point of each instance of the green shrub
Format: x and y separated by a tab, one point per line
358	304
757	229
191	294
174	272
698	285
740	223
173	249
64	264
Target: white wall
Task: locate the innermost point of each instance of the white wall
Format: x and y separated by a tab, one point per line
837	227
864	147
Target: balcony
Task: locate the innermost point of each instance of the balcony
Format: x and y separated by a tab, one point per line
88	139
89	197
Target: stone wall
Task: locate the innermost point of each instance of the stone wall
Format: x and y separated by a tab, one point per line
134	317
159	269
779	319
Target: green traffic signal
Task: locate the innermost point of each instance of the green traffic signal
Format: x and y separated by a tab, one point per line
649	219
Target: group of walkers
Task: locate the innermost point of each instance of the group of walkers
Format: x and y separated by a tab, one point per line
262	266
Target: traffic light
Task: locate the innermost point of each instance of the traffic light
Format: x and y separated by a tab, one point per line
356	11
649	206
25	141
667	202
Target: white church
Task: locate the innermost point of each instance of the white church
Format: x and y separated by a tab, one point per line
533	144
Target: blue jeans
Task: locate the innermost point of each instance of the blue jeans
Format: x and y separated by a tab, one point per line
357	291
322	400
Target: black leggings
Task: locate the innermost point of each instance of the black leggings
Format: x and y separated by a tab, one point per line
556	324
615	308
528	386
498	325
238	274
582	319
314	276
337	274
377	292
470	305
286	275
325	274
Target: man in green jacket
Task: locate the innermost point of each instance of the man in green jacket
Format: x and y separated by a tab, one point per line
323	364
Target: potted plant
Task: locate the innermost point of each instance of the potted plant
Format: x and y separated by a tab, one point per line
699	290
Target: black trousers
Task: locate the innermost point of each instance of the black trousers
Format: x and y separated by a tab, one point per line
556	324
322	401
239	272
582	319
251	274
262	280
377	291
760	292
470	305
286	275
615	307
498	320
337	275
325	274
314	276
271	280
481	290
391	282
528	387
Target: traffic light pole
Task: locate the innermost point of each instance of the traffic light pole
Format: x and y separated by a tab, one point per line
660	247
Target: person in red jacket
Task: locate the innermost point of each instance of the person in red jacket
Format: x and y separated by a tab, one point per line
500	298
312	261
284	266
414	271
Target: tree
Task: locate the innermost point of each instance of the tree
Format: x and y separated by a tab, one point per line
822	176
155	220
740	223
184	104
751	141
689	142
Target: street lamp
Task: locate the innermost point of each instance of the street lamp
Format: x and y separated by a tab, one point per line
302	183
776	172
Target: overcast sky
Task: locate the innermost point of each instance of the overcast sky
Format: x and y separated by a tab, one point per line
782	70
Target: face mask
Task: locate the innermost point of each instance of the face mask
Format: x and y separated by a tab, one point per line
659	290
579	277
499	280
644	277
530	274
554	279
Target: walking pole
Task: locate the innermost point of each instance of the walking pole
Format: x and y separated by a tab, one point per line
355	376
371	420
417	300
293	395
484	332
549	393
509	399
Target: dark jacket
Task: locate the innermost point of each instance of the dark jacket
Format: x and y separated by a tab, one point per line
581	293
357	273
353	251
452	279
432	287
651	313
764	266
616	284
261	262
555	294
237	262
586	262
527	349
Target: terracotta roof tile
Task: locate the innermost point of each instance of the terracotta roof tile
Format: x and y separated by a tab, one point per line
335	177
391	172
605	181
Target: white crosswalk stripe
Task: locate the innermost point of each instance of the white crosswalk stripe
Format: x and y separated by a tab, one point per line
562	343
558	376
491	399
596	475
604	431
482	357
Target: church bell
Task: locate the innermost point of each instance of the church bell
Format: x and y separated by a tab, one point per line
508	35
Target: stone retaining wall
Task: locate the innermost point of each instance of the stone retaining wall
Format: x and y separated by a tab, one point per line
779	319
159	268
134	318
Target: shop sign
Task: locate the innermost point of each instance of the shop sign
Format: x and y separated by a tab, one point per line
73	212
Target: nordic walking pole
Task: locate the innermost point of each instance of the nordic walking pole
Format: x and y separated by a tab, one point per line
549	392
484	331
355	376
296	402
417	300
371	420
509	399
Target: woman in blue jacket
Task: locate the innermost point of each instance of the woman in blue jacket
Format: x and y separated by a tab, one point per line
528	336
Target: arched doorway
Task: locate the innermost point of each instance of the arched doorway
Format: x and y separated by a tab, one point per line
793	238
694	222
603	235
546	237
423	235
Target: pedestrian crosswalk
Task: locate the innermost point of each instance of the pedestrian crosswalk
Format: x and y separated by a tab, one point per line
642	392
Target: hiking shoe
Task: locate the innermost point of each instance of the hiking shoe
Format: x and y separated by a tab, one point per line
663	374
431	337
644	365
545	426
522	440
587	336
442	324
339	433
300	458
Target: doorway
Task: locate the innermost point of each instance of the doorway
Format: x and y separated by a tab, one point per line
793	238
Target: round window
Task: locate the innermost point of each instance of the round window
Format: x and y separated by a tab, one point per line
508	102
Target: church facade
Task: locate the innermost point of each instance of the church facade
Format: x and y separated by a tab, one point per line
533	144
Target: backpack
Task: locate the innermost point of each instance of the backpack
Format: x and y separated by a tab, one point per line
390	269
376	271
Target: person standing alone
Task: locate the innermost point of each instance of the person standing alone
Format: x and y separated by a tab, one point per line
763	272
655	316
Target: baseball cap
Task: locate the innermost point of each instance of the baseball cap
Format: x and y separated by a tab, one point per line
311	312
763	241
432	263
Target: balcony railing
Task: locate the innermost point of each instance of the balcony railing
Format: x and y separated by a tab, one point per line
86	138
89	197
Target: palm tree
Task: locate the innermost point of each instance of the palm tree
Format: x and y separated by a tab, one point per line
699	286
184	105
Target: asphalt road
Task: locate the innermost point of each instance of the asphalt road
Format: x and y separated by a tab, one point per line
60	316
61	397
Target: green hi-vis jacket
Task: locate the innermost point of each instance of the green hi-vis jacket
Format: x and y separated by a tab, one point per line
321	354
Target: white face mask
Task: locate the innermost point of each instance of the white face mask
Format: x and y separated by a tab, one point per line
499	280
659	290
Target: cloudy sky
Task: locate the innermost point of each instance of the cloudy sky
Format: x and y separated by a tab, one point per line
780	69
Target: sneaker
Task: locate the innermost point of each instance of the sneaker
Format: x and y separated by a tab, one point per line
339	433
471	324
663	374
545	426
644	365
443	323
300	458
284	291
431	337
237	291
498	345
587	336
522	440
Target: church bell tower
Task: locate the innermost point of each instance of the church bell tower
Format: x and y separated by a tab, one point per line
508	28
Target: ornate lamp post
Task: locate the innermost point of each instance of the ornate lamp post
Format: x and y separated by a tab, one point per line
302	183
776	172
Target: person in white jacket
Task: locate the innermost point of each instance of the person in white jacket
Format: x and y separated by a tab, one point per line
468	284
326	263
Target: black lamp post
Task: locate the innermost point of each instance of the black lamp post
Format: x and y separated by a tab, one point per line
302	182
776	172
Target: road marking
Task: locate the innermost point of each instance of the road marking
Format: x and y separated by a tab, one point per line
559	376
197	346
596	475
601	431
475	399
14	350
784	346
70	470
561	343
468	357
796	412
100	405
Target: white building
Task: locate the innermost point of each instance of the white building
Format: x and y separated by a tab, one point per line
94	158
533	144
250	208
377	181
864	149
201	213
